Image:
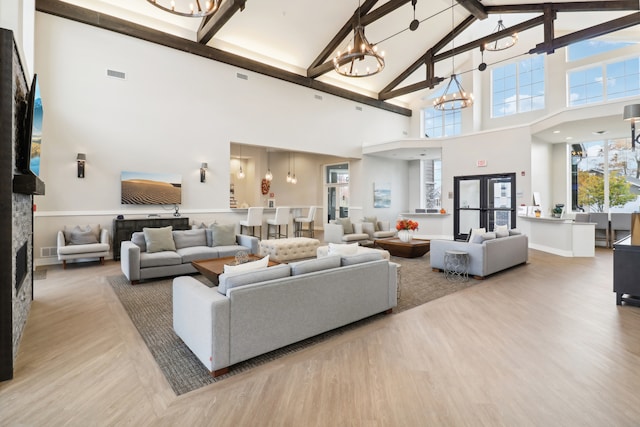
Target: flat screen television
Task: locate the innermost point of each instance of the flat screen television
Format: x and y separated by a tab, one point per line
30	142
144	188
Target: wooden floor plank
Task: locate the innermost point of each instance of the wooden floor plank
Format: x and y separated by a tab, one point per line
542	344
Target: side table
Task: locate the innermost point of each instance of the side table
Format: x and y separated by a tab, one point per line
456	266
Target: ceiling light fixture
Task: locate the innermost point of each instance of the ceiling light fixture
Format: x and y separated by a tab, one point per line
632	113
268	176
345	62
502	43
187	8
240	172
454	97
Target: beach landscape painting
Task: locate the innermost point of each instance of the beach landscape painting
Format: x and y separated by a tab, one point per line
144	188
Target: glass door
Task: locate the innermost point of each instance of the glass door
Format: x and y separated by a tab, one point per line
483	201
337	191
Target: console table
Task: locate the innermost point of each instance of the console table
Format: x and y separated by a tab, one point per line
124	228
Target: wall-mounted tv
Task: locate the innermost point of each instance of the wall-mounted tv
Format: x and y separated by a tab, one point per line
28	154
143	188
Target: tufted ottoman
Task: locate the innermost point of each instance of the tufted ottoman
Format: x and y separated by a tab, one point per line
282	250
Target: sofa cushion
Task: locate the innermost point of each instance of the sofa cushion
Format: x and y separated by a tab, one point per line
159	239
373	220
195	253
159	259
501	230
347	227
138	238
342	249
228	281
187	238
225	251
223	235
311	265
247	266
369	228
514	232
360	258
489	236
82	237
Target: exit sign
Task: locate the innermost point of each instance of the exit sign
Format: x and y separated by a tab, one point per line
481	163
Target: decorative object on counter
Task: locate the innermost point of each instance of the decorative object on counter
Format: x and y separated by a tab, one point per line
405	228
242	257
443	211
538	212
266	184
557	211
81	159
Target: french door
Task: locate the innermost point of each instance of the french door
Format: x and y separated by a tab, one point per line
483	201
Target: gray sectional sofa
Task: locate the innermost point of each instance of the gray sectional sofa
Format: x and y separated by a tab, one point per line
485	258
139	261
255	312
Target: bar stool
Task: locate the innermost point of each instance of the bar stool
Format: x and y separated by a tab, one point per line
281	218
254	219
299	230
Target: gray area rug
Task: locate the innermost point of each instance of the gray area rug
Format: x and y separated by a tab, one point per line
149	307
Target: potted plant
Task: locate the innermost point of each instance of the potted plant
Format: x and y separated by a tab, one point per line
557	211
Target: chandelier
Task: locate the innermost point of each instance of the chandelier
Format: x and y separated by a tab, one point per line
191	8
502	43
454	96
372	62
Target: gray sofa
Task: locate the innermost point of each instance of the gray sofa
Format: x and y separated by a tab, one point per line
485	258
137	263
255	312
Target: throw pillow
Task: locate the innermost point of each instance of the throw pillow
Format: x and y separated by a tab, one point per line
368	228
223	235
373	220
346	225
343	249
488	236
94	228
475	231
159	239
501	230
514	232
82	237
247	266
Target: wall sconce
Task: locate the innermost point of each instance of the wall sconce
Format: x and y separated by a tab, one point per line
632	112
81	159
203	172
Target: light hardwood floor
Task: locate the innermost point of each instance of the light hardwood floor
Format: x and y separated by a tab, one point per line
538	345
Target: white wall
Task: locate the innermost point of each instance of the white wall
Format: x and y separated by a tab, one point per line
173	111
18	16
382	171
543	176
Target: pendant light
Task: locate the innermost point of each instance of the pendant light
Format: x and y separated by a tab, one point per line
240	172
268	176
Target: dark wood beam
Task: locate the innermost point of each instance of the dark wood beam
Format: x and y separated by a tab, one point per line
474	7
583	6
110	23
588	33
430	84
318	68
340	36
213	23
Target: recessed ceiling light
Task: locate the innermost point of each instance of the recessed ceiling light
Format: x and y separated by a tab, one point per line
569	138
556	131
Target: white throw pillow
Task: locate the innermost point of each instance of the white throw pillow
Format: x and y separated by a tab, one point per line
474	232
501	230
247	266
343	249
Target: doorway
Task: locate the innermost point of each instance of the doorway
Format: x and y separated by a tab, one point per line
483	201
337	191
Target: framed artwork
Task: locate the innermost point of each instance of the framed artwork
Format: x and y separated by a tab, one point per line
271	203
381	195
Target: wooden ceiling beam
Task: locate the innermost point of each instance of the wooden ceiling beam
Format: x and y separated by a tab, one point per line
213	23
322	65
583	6
107	22
474	7
426	84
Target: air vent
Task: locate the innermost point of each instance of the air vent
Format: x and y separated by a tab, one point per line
318	97
48	252
116	74
359	108
242	76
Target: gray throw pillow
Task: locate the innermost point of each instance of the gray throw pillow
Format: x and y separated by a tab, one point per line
138	238
346	225
372	219
94	229
82	237
223	235
159	239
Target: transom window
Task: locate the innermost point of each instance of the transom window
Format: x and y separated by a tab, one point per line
518	87
604	82
584	49
438	124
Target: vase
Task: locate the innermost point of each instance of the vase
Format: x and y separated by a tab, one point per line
405	235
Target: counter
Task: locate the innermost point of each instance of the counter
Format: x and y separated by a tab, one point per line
431	225
559	236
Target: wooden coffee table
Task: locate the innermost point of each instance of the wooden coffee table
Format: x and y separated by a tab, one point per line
413	249
212	268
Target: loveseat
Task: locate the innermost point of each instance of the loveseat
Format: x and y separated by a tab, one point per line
254	312
343	230
161	252
493	254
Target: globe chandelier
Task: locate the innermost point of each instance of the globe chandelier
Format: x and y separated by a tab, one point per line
189	8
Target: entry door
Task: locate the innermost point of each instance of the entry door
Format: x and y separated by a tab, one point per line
483	201
337	191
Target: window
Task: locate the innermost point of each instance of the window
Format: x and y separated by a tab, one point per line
586	48
518	87
623	78
431	172
441	123
603	82
585	86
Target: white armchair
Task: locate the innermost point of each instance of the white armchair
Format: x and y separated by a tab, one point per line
334	232
377	230
82	242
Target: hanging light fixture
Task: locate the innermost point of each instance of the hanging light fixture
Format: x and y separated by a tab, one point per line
240	172
454	96
345	62
289	172
187	8
268	176
294	180
502	43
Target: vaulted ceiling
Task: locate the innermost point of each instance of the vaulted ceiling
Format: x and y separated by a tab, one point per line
295	40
